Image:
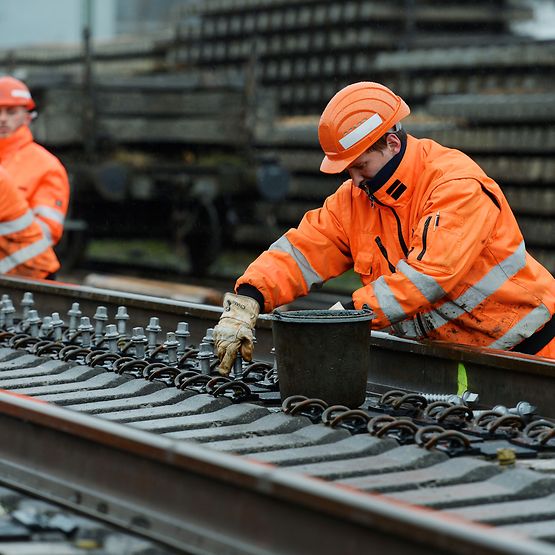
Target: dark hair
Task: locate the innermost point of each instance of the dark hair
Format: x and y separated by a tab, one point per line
381	143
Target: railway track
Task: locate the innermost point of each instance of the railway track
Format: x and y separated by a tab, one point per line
118	413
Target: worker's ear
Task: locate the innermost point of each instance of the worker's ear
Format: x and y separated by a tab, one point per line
393	143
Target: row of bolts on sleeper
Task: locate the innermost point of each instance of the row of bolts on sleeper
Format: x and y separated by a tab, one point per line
175	345
111	335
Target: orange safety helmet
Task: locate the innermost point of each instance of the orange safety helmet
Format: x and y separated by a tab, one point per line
354	119
14	92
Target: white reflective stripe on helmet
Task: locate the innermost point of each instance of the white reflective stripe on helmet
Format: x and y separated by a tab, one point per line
361	131
49	212
18	224
23	255
19	93
310	275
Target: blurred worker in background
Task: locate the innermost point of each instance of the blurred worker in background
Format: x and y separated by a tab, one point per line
37	173
24	249
432	237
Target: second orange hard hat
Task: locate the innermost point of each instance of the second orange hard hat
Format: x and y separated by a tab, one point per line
354	119
14	92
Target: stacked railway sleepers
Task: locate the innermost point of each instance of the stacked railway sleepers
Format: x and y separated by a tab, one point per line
190	114
142	432
306	50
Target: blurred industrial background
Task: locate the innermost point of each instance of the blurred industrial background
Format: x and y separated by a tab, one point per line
189	127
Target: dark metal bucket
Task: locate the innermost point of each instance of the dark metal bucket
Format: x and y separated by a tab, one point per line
323	354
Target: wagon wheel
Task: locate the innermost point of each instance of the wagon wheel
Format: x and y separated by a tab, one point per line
197	232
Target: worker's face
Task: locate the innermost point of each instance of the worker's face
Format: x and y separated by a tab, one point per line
368	164
12	118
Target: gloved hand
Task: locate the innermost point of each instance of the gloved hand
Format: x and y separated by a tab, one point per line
234	330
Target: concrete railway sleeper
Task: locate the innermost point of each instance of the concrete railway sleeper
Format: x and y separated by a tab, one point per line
119	422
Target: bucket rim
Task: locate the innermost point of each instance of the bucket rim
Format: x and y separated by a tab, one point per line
320	316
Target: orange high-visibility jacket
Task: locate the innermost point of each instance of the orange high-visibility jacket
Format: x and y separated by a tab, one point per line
437	248
24	250
41	178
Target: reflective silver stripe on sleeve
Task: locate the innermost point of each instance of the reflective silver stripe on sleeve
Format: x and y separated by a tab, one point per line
310	276
493	280
18	224
471	298
361	131
23	255
388	303
523	329
50	213
427	285
45	229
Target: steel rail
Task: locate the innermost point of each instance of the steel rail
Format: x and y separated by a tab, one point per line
428	367
203	502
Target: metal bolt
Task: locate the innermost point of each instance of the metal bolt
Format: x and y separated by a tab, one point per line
470	399
182	334
171	344
467	399
121	321
237	371
139	341
27	302
524	409
444	397
8	311
204	357
85	330
33	320
111	337
74	314
46	328
209	338
57	325
100	318
153	330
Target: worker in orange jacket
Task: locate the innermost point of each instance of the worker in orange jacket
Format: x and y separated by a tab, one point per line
432	237
38	174
24	249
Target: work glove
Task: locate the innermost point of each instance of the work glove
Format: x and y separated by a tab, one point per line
234	330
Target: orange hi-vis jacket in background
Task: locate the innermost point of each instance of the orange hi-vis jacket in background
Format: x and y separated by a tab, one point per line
437	248
24	250
41	178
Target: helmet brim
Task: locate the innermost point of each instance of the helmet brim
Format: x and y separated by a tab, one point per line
336	166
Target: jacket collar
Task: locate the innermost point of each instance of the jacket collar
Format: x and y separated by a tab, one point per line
391	184
15	141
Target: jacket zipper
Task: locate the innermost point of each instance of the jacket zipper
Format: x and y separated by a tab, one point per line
384	252
404	247
424	238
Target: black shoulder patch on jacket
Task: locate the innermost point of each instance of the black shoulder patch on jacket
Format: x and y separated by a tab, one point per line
396	189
